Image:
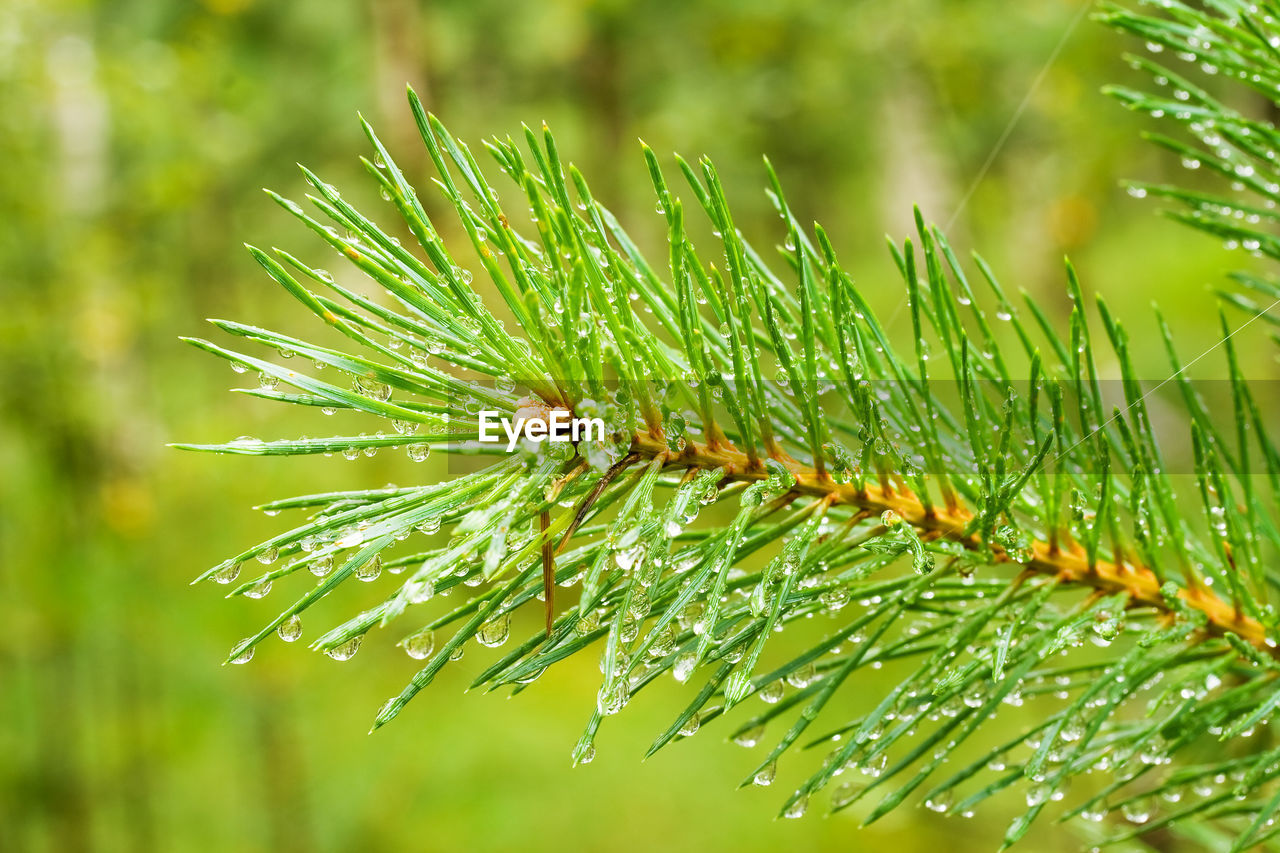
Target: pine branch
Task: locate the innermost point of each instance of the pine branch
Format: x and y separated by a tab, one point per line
988	499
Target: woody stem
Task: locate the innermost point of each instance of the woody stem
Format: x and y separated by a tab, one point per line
1141	585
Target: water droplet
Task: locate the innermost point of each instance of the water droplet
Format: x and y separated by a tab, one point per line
227	574
268	555
258	590
683	667
802	677
772	692
1072	730
494	632
835	598
628	557
941	803
749	737
1155	752
421	592
1038	794
764	777
419	452
371	388
663	643
610	700
845	794
245	655
370	570
345	651
587	623
530	677
1095	812
290	629
419	646
690	726
1137	811
798	808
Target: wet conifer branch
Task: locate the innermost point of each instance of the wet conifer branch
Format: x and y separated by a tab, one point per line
782	474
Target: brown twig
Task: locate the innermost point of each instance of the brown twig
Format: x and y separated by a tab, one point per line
1137	582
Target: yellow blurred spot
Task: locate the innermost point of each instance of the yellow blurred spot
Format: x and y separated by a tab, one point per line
103	331
227	7
127	507
1072	220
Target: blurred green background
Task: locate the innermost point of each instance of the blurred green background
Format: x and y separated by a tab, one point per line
135	136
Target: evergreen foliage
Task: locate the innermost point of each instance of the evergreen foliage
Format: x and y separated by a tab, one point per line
970	505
